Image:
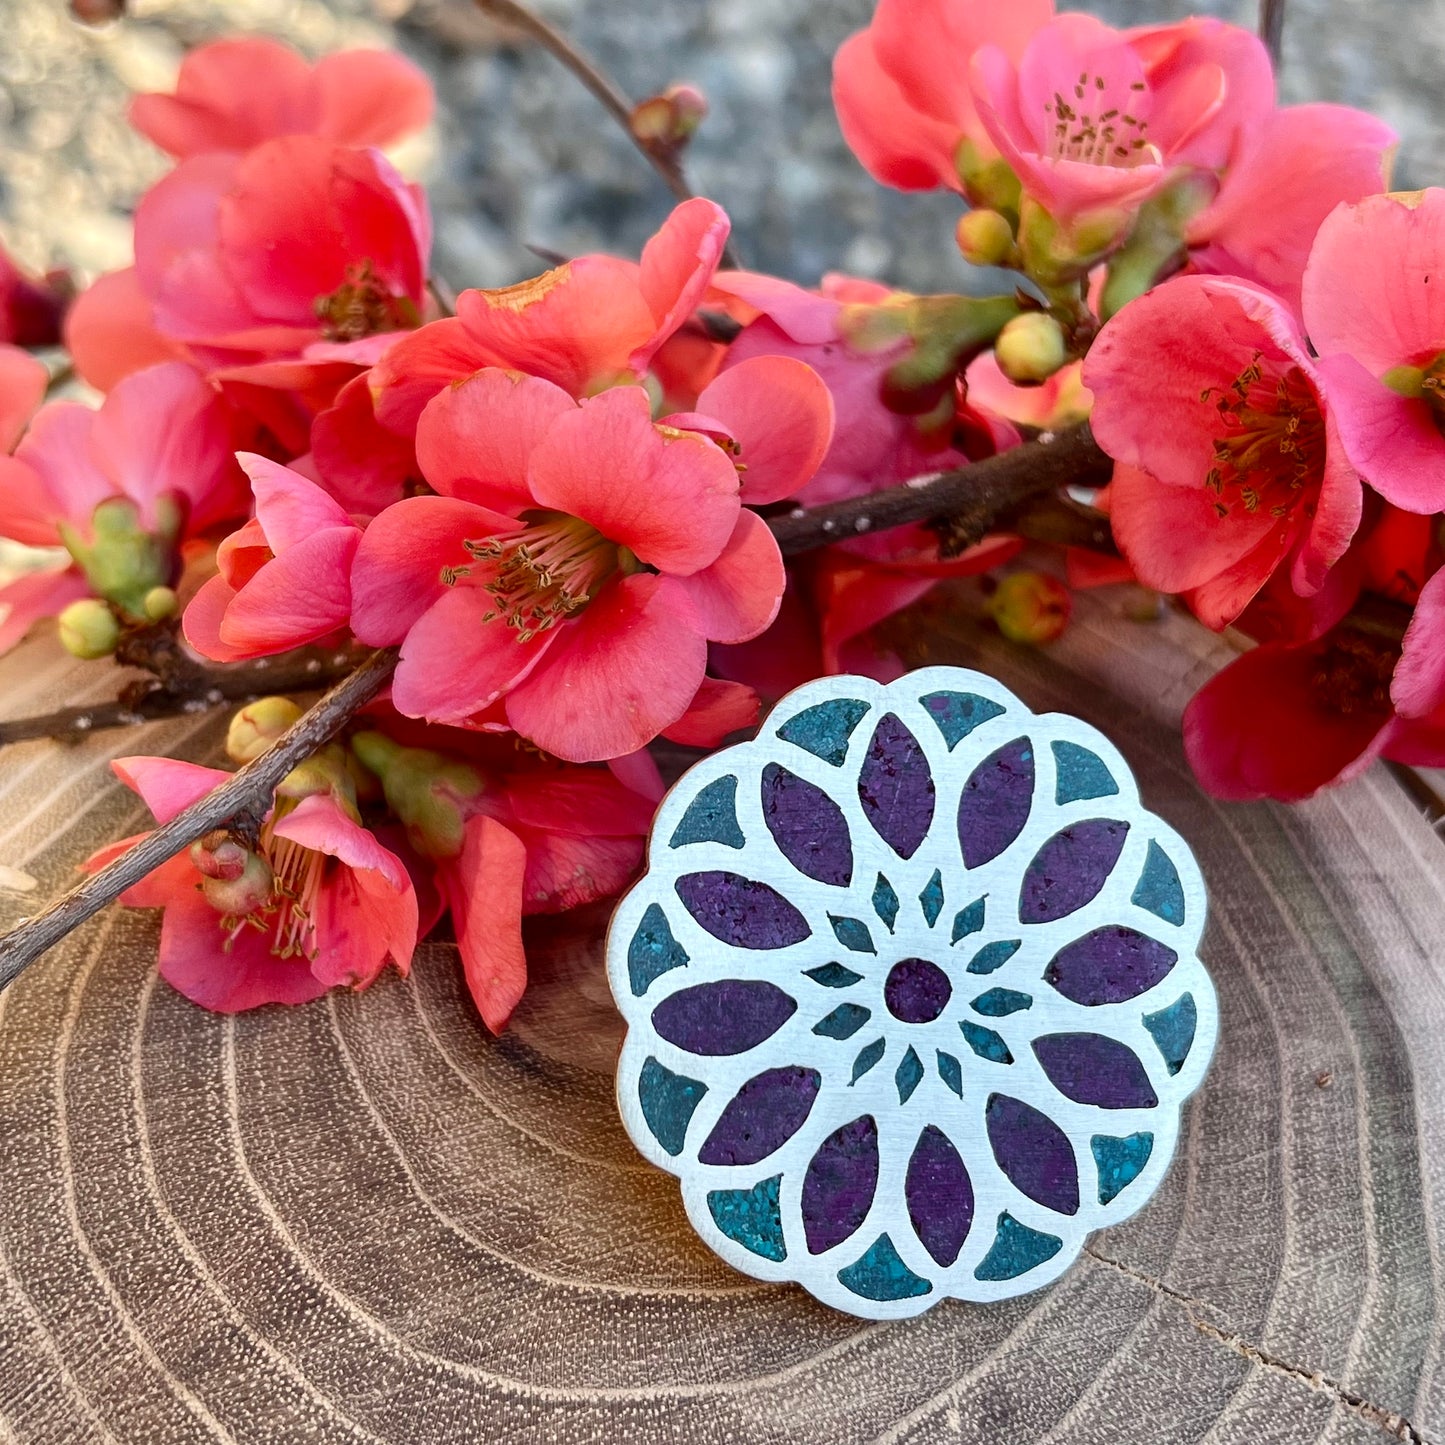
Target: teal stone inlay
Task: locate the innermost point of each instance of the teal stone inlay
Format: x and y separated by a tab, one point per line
931	899
998	1003
1159	890
968	920
712	816
908	1076
653	951
993	955
852	933
668	1101
1080	774
843	1022
958	713
824	730
867	1058
985	1043
881	1274
832	975
885	902
1120	1161
752	1217
1173	1030
951	1072
1016	1250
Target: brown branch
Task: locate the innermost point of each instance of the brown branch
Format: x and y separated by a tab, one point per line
249	790
663	159
971	499
1271	29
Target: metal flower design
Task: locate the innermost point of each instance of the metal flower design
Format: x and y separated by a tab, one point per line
911	992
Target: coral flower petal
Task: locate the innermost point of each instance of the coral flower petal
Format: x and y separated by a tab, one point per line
300	596
484	891
736	597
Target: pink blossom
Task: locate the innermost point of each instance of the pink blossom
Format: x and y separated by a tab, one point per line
1229	463
1374	306
234	94
320	904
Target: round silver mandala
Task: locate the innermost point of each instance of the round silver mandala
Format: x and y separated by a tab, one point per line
912	993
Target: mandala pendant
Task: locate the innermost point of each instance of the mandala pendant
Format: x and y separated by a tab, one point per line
912	995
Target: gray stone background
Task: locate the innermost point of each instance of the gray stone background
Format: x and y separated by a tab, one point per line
521	154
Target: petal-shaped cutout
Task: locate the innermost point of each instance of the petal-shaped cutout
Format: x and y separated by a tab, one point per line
1070	869
1120	1161
867	1057
1173	1030
885	902
931	899
752	1217
994	955
916	991
1109	965
998	1003
939	1195
668	1101
824	730
833	975
896	787
728	1016
951	1072
740	911
1034	1153
808	826
843	1022
840	1183
968	920
995	802
1016	1250
958	713
1094	1069
712	816
762	1116
1159	890
1080	773
881	1274
985	1043
653	951
852	933
908	1075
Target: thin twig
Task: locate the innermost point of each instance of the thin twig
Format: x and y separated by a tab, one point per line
1271	29
249	790
663	159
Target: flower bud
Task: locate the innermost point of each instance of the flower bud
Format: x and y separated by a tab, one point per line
89	629
984	238
218	855
1030	607
257	726
122	561
249	890
428	791
159	603
668	121
1031	348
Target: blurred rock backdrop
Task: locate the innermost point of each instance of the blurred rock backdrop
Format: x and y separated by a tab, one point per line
520	153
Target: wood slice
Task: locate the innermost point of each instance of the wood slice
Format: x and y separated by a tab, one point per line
366	1219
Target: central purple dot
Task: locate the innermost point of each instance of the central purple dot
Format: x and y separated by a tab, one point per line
916	991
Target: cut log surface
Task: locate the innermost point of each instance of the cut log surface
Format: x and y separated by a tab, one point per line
366	1219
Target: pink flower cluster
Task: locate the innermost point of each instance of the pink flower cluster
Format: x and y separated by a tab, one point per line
553	499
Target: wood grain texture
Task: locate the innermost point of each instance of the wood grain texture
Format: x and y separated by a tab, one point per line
366	1220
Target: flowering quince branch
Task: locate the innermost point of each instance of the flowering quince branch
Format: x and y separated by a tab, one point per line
246	792
661	150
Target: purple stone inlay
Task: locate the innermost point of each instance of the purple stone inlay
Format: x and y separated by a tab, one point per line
741	912
940	1195
726	1017
1070	869
839	1185
1109	965
896	787
1092	1069
762	1116
1034	1153
916	991
808	826
995	802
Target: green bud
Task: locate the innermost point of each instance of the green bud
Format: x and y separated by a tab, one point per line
426	790
1030	607
1055	254
89	628
257	726
160	603
326	771
249	890
122	562
948	332
985	238
1031	348
987	180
